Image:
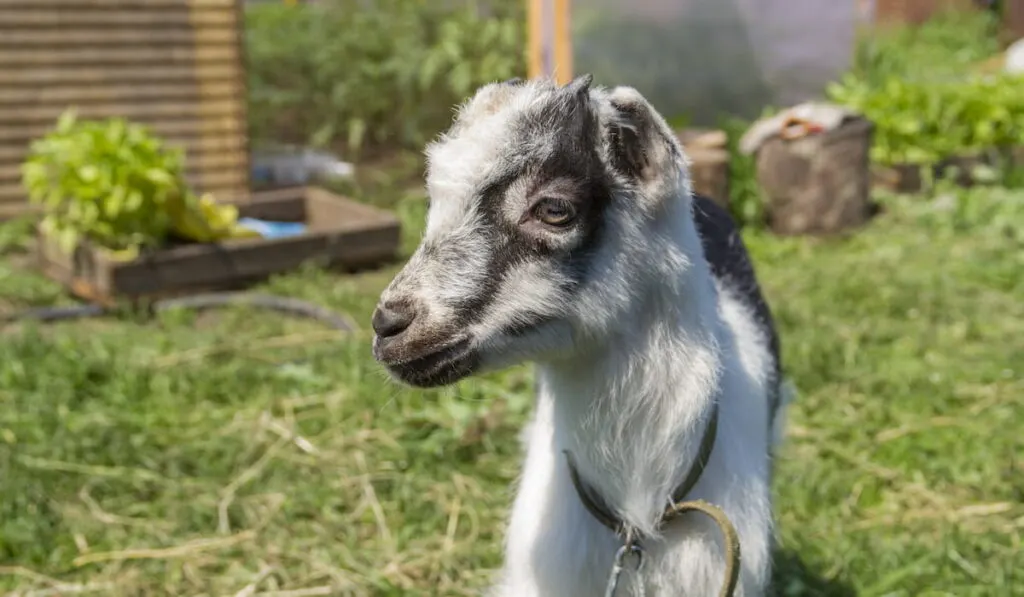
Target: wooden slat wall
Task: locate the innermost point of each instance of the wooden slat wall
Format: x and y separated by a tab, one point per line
916	12
175	65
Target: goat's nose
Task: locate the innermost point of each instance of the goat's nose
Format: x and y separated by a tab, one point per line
392	319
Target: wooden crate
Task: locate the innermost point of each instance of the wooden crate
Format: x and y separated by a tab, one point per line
709	162
1013	20
818	184
340	233
174	65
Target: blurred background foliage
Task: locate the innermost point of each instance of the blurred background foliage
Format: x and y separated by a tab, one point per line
371	80
355	76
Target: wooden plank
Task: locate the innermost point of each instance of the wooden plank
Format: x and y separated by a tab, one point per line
116	75
63	95
239	189
10	188
916	12
164	127
17	152
13	198
199	175
196	161
213	160
212	144
195	164
14	210
33	16
216	128
233	186
137	5
350	240
1013	19
128	56
214	180
165	36
140	111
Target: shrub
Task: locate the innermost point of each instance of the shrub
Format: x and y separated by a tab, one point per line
387	74
916	84
925	122
116	185
103	181
942	47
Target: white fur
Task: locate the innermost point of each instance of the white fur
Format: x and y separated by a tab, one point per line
628	372
633	412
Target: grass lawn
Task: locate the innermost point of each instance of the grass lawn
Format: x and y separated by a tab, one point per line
243	453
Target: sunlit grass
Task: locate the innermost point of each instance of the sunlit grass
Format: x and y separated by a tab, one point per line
242	453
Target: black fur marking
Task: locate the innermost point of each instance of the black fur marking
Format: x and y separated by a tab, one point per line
730	263
558	142
504	254
629	154
580	85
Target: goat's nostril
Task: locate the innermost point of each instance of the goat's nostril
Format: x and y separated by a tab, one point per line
391	320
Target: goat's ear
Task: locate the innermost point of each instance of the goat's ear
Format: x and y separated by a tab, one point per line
571	112
639	147
580	86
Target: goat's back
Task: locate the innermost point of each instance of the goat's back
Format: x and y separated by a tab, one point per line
731	265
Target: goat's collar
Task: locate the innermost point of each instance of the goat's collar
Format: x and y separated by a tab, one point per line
599	509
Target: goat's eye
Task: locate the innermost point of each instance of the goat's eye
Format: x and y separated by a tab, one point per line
554	212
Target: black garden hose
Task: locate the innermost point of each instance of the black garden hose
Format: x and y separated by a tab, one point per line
281	304
287	305
49	314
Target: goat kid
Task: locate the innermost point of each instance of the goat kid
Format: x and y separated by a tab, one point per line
562	230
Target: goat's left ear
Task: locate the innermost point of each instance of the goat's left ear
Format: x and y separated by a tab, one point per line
638	141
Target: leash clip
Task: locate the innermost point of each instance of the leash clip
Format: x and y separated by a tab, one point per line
628	548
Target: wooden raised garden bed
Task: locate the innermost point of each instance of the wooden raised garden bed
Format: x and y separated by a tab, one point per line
339	233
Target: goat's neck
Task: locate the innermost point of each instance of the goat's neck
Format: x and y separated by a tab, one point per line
633	410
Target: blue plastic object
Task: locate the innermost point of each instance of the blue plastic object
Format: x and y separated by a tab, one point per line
269	229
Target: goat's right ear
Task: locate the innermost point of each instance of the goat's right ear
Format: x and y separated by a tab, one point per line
638	145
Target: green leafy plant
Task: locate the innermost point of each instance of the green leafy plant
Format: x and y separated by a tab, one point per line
924	122
107	182
746	200
917	84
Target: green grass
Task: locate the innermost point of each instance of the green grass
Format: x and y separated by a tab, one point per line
249	454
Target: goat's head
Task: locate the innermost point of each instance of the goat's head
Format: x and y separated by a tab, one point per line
544	210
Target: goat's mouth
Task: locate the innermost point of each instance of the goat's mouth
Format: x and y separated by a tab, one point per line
434	367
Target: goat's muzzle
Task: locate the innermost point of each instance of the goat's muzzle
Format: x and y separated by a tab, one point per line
416	353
